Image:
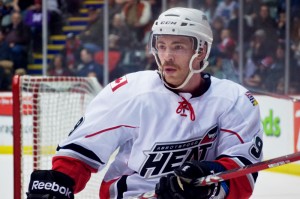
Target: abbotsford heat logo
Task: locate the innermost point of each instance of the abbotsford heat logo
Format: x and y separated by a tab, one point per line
163	158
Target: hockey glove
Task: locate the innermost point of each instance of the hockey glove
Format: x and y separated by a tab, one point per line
50	184
172	187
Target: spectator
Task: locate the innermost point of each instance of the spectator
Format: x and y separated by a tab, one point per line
18	38
88	67
265	22
156	7
225	9
281	27
277	70
92	36
73	7
71	51
5	10
250	67
5	52
137	15
34	19
58	67
5	64
21	5
114	8
233	26
114	57
123	32
209	7
217	27
228	69
258	50
261	74
295	39
225	35
251	9
258	46
294	6
56	23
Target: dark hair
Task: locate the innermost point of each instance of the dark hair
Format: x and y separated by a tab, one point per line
89	51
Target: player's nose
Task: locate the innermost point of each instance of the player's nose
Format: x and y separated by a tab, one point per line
169	56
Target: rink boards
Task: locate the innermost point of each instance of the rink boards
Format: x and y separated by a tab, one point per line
280	118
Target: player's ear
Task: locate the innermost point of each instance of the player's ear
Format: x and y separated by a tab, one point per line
202	53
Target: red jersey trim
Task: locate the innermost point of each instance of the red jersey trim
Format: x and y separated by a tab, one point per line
76	169
239	187
104	189
234	133
109	129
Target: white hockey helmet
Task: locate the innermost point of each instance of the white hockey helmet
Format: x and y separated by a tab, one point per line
185	22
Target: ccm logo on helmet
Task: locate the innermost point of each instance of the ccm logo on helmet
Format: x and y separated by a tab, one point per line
51	186
168	22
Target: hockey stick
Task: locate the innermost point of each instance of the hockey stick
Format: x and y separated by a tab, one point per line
234	173
252	168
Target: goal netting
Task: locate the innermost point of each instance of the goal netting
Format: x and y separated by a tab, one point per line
45	110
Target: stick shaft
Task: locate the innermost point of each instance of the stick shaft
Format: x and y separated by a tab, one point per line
238	172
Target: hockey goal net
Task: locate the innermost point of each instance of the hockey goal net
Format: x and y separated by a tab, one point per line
45	110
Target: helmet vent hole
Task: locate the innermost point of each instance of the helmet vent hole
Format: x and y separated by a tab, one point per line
160	30
183	24
173	30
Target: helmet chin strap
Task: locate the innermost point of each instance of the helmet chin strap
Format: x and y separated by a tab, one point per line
191	72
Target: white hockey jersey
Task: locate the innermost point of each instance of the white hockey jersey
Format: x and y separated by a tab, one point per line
157	129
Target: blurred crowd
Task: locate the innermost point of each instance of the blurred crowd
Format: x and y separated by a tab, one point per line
130	21
21	34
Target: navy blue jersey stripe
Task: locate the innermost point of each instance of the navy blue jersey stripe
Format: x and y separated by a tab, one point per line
122	186
79	149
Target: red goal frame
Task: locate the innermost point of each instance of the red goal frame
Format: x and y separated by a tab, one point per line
81	82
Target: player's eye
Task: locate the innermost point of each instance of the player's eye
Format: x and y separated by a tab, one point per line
161	47
178	47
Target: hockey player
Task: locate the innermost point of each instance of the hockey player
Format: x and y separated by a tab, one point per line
177	118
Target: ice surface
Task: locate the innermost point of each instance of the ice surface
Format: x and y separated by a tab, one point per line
269	185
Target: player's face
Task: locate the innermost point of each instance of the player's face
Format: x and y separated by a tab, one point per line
174	53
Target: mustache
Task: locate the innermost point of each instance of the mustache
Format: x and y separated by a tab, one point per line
168	63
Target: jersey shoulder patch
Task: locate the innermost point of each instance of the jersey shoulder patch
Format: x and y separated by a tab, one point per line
251	98
121	81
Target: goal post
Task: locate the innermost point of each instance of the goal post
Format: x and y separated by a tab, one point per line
45	110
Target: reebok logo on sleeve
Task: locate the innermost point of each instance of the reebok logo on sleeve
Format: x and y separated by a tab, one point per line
52	186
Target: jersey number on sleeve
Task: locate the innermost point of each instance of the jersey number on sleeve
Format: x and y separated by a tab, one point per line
256	148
